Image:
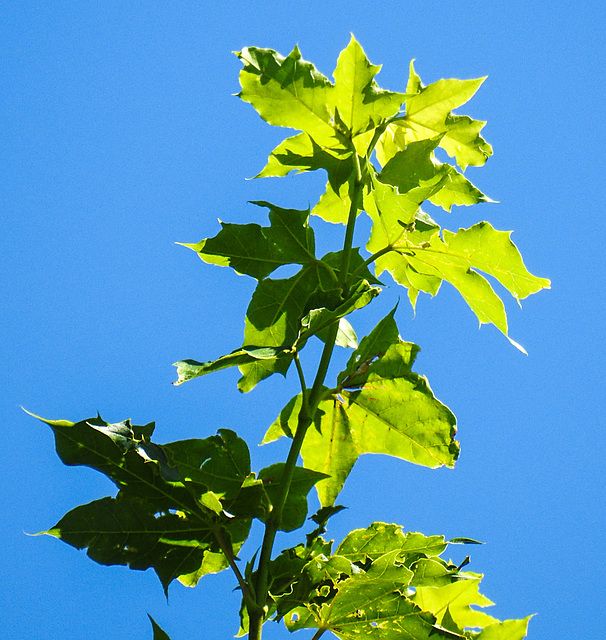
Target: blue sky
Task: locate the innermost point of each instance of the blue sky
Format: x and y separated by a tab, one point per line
120	136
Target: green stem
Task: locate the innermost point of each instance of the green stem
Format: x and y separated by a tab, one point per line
305	419
373	257
354	207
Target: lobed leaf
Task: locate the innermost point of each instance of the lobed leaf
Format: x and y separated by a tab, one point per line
295	508
169	512
380	406
455	259
257	251
360	103
429	113
287	92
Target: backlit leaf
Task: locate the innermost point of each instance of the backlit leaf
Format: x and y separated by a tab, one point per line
360	102
456	257
429	113
287	92
456	599
295	508
381	406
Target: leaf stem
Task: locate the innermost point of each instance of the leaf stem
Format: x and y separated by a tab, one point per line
354	207
305	419
373	257
226	547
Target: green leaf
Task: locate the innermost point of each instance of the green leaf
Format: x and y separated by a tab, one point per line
159	633
416	173
190	369
128	531
429	113
257	251
455	258
273	319
456	599
371	603
278	307
318	320
295	508
380	406
167	514
361	104
381	538
287	92
335	202
507	630
301	153
221	462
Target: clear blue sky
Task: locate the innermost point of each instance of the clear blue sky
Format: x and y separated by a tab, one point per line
120	135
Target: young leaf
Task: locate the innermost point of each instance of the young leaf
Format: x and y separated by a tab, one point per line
381	538
454	259
371	603
456	599
507	630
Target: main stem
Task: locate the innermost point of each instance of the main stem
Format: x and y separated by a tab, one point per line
305	419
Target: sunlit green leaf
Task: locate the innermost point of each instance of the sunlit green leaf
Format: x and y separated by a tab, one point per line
371	603
456	599
287	92
429	113
301	153
507	630
360	102
456	257
380	407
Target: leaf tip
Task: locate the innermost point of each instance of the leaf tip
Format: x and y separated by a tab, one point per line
518	346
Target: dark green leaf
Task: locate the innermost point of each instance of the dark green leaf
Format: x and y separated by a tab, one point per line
159	633
295	508
274	315
190	369
257	251
301	153
168	514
